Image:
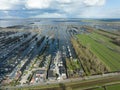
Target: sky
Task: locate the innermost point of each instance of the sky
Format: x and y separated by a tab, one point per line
59	8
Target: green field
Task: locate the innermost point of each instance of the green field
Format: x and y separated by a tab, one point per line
113	87
103	48
110	87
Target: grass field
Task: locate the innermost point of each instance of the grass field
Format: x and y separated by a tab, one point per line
103	49
110	87
113	87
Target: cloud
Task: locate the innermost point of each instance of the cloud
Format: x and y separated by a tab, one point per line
38	4
64	1
41	4
55	8
94	2
11	4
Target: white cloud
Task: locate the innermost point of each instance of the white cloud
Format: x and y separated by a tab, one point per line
10	4
64	1
4	4
63	5
63	8
94	2
41	4
38	4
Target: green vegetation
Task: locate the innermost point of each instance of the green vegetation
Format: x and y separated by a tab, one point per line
101	46
90	63
114	36
109	87
73	67
101	88
113	87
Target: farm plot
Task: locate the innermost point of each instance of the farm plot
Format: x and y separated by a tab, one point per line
103	49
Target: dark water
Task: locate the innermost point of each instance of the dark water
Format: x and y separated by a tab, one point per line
7	23
14	22
25	22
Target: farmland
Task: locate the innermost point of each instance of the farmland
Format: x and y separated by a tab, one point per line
109	87
103	48
90	63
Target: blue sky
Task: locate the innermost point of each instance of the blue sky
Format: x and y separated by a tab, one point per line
59	8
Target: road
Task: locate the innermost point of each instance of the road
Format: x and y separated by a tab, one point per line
105	78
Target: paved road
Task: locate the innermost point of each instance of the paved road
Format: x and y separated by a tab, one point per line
97	78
